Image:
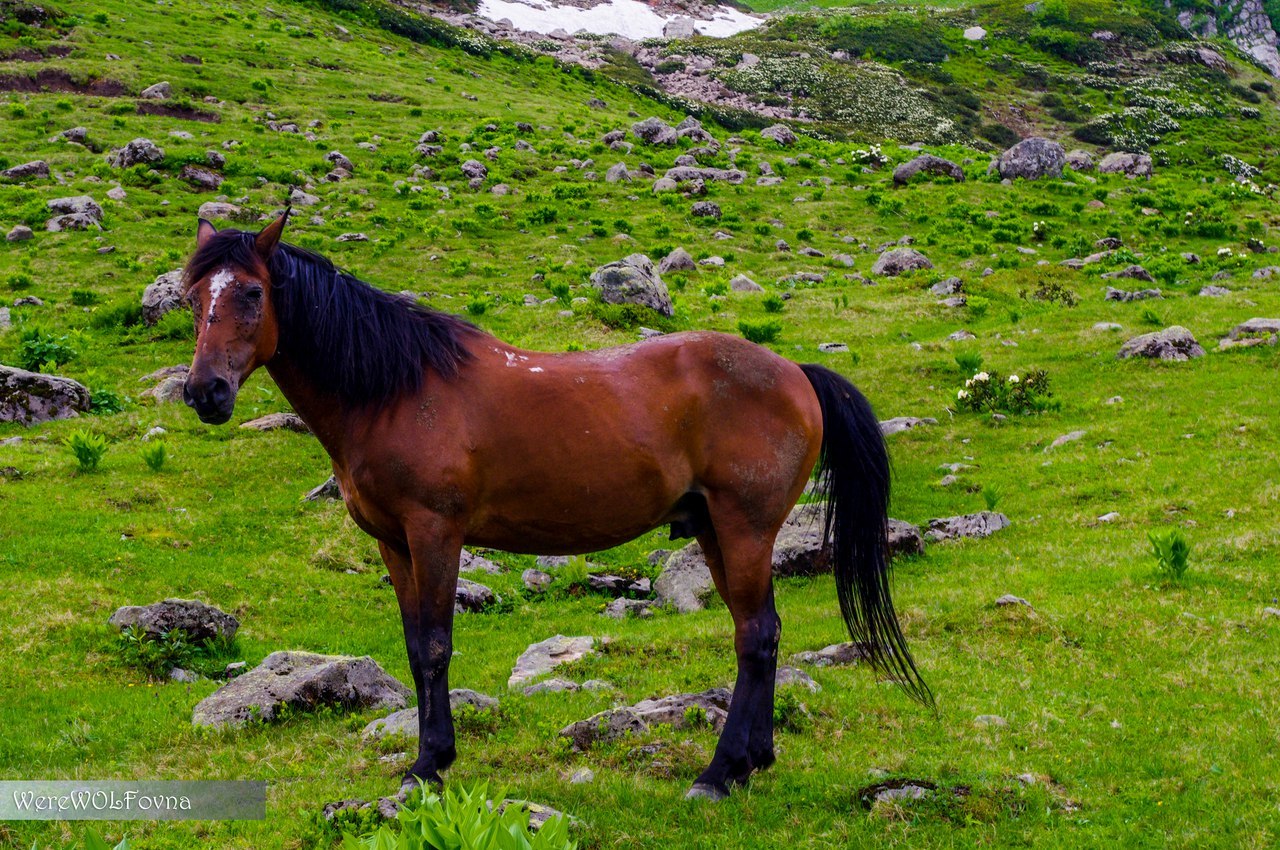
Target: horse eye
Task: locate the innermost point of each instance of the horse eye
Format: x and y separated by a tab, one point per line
253	294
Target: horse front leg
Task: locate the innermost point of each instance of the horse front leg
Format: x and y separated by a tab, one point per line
425	576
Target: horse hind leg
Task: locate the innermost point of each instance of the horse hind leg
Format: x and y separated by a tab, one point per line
740	560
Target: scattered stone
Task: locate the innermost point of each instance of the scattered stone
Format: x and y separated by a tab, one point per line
929	164
551	686
137	152
904	423
214	210
19	233
301	681
162	295
795	676
1032	159
475	170
1252	332
1172	343
655	131
1124	296
678	260
1080	160
278	421
742	283
895	791
780	133
1214	291
201	177
536	581
198	620
705	209
299	198
158	91
470	597
543	657
1107	326
117	193
981	524
582	775
833	348
835	655
177	674
329	491
168	391
1109	517
898	260
1129	164
1131	272
950	286
405	722
621	608
975	34
990	720
1009	599
674	711
617	174
633	280
1066	438
29	398
34	170
352	237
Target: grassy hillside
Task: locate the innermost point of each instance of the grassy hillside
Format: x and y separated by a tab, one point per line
1144	707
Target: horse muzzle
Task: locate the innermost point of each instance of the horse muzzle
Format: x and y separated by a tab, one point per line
212	400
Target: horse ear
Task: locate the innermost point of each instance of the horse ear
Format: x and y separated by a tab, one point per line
204	232
266	241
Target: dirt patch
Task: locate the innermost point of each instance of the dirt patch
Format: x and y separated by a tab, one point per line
189	113
53	79
35	54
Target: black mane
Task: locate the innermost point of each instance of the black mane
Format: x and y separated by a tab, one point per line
366	345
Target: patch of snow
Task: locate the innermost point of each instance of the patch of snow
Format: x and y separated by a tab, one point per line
629	18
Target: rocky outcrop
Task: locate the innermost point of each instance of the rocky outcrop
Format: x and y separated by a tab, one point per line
1172	343
198	620
929	164
161	296
1032	159
1247	25
633	280
543	657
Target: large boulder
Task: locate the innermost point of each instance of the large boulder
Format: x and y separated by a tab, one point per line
78	212
655	131
36	169
1032	159
200	621
471	597
475	169
1080	160
138	152
1129	164
678	260
29	398
300	681
685	582
544	656
981	524
900	260
161	296
929	164
633	280
1172	343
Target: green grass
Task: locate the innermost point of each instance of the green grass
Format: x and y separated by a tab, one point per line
1148	704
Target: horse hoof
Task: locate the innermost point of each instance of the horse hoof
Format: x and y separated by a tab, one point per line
703	791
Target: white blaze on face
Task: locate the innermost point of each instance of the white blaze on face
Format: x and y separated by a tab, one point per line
221	279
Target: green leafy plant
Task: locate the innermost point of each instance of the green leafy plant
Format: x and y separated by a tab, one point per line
991	494
154	455
762	332
39	349
970	362
462	819
772	303
105	402
1171	551
88	448
155	656
94	841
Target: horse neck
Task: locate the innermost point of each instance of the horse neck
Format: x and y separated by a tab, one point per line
325	414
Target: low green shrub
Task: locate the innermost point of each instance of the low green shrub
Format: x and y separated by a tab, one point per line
1171	551
762	332
88	448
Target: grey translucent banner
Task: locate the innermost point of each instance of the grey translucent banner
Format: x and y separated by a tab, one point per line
127	800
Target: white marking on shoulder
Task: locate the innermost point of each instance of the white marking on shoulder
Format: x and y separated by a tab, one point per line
221	279
511	358
535	368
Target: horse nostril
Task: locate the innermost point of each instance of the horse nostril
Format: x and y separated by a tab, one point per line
219	392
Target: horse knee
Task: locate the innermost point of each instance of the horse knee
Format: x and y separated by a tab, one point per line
758	639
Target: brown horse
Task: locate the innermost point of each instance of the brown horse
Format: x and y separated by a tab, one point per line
442	435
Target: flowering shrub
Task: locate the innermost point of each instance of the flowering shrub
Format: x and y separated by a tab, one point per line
872	156
1239	168
992	392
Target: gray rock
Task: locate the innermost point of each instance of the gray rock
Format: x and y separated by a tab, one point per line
552	686
673	711
833	347
950	286
214	210
536	580
582	775
158	91
1125	296
780	133
679	27
140	151
1131	272
1070	437
300	681
475	170
469	562
655	131
1214	291
621	608
1172	343
168	391
974	34
899	260
300	198
617	174
543	657
117	193
30	398
19	233
352	237
665	184
795	676
277	422
470	597
986	720
6	321
1129	164
929	164
339	160
326	492
76	205
705	209
633	280
691	173
1080	160
162	295
1009	599
405	722
201	177
678	260
836	655
34	170
897	791
960	336
904	423
981	524
742	283
200	621
685	582
1032	159
72	221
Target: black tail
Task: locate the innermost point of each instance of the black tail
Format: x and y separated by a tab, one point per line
853	477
